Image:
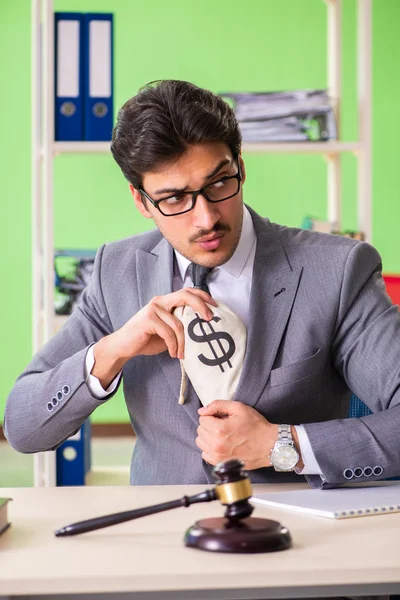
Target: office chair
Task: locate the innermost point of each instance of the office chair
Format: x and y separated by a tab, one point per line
357	408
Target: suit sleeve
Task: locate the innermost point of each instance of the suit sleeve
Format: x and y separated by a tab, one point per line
50	400
366	353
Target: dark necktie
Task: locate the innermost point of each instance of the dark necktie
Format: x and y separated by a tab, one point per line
198	275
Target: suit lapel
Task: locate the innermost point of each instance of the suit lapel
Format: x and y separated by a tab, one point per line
273	291
155	272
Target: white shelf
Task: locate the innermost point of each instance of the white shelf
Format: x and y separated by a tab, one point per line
81	148
334	147
330	148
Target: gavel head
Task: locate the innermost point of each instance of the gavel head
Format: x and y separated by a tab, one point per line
233	489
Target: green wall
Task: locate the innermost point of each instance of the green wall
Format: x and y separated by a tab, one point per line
222	45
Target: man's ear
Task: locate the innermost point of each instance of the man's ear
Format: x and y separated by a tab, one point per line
242	169
140	205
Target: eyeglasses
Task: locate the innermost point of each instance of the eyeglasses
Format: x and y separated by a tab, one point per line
218	191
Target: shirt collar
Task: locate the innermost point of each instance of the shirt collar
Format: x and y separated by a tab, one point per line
235	265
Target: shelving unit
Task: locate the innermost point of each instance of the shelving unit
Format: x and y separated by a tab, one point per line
45	149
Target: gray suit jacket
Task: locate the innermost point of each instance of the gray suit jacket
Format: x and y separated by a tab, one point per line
331	329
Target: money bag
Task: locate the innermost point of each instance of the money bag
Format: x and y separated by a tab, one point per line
214	352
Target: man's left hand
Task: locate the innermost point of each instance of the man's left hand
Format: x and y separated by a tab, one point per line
230	429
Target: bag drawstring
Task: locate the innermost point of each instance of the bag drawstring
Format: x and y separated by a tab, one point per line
182	391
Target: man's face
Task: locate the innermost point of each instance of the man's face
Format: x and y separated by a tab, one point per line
210	232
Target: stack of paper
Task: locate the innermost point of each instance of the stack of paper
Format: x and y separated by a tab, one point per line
293	116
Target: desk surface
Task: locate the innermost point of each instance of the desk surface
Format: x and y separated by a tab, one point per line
349	556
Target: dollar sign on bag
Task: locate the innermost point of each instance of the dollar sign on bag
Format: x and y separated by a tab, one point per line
212	336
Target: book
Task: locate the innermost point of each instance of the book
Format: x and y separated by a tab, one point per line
4	523
338	503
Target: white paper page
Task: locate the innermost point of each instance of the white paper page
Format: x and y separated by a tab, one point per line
337	503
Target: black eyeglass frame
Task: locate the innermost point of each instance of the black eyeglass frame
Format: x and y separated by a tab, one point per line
197	193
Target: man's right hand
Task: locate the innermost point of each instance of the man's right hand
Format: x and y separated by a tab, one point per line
150	331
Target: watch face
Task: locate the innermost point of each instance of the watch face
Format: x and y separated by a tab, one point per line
284	458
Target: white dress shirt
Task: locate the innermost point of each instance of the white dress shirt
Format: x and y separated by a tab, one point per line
231	284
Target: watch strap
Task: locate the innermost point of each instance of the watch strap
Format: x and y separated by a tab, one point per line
285	433
285	438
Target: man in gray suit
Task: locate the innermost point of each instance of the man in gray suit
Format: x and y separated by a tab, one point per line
319	321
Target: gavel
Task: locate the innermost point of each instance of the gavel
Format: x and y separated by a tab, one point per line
237	531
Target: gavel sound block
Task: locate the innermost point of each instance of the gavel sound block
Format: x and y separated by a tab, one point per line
236	531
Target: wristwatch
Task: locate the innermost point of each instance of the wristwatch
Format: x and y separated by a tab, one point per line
284	456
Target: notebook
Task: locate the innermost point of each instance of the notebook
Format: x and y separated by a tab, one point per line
4	523
339	503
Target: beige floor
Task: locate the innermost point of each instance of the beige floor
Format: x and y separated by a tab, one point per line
110	463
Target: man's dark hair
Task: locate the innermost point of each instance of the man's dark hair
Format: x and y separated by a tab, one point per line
158	124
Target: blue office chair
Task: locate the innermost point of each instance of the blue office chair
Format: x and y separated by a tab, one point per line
357	408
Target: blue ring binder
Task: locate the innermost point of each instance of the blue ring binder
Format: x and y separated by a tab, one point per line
68	76
98	47
73	458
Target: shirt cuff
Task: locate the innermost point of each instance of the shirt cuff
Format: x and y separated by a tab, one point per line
311	466
94	385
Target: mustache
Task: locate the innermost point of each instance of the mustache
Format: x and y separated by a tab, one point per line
218	227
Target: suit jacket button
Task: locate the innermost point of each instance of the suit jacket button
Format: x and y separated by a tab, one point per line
348	473
54	401
378	470
368	471
50	407
66	390
59	395
358	472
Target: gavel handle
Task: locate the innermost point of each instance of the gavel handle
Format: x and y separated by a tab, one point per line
129	515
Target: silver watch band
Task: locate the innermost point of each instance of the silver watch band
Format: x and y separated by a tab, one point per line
283	460
285	433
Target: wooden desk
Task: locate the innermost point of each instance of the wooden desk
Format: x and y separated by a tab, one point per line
146	559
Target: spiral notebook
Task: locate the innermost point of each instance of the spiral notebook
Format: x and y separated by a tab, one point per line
339	503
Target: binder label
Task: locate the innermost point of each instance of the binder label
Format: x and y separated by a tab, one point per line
68	59
100	59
